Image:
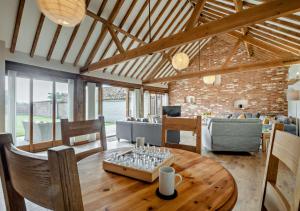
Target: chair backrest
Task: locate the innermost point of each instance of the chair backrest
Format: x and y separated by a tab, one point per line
79	128
52	183
283	147
185	124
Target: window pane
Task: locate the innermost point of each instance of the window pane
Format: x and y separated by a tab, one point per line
42	111
62	106
22	111
158	104
114	107
6	104
152	104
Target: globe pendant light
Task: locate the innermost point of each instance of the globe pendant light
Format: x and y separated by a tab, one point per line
63	12
180	61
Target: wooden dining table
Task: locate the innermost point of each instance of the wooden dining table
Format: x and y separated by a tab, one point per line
206	185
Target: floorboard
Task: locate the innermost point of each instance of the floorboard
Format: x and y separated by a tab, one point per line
246	168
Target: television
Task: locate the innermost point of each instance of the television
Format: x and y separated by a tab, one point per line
172	111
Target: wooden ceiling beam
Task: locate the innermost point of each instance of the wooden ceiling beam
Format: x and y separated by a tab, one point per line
69	45
124	19
275	42
53	43
232	53
37	34
195	15
143	72
116	39
89	34
273	37
17	26
189	25
72	38
257	43
108	23
131	27
103	32
147	35
274	29
269	10
232	69
239	7
139	31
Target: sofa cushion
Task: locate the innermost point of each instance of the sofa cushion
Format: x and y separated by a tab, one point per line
283	119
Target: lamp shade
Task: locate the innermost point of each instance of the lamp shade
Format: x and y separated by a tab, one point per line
63	12
180	61
292	95
209	79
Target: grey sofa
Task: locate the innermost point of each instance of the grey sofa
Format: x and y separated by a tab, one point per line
237	135
129	130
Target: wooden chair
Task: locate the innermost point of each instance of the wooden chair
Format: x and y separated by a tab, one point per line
52	183
185	124
283	147
80	128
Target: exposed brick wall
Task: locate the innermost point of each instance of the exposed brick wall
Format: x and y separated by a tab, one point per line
264	89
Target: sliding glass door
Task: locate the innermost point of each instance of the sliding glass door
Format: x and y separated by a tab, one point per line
114	107
34	108
22	111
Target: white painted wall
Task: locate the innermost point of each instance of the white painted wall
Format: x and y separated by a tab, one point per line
2	86
294	106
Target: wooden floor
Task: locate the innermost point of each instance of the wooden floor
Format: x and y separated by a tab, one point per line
247	169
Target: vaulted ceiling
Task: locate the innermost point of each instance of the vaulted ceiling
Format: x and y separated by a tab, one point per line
113	27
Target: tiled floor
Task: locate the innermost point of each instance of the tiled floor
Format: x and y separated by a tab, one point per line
247	169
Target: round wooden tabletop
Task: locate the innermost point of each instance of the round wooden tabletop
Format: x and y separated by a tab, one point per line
206	185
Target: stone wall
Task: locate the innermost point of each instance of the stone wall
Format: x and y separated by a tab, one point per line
263	89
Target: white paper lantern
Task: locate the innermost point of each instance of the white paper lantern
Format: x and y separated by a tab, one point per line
63	12
209	79
180	61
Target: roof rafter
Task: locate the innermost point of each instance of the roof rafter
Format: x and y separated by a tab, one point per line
72	38
130	29
116	39
232	69
37	34
139	31
148	32
103	32
143	72
17	26
244	18
238	8
89	34
132	5
53	43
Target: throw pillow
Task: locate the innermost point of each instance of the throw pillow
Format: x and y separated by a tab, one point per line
283	119
242	116
266	121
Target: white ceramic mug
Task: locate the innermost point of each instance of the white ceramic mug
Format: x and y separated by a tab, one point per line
167	180
140	141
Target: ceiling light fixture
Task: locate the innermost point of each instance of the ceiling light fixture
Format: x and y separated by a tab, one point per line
63	12
180	61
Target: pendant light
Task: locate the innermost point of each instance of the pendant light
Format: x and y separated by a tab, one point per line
63	12
180	61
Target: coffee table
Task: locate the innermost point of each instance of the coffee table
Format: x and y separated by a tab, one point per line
206	185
